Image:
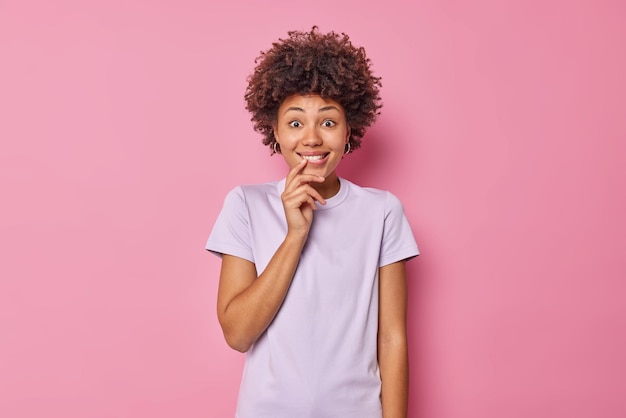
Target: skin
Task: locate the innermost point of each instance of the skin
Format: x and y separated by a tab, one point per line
310	127
312	133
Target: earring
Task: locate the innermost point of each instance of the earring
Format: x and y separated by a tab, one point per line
348	148
276	147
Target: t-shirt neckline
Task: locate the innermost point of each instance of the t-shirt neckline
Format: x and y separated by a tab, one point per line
331	202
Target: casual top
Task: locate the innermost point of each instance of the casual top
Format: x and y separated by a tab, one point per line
318	357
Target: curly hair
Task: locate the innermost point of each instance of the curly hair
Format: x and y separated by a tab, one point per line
314	63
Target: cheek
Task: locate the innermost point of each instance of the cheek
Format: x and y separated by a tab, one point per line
279	137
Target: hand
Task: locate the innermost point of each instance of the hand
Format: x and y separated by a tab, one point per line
299	198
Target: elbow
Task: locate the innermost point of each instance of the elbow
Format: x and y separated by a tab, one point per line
237	343
235	333
238	346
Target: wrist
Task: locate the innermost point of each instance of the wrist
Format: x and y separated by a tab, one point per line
296	237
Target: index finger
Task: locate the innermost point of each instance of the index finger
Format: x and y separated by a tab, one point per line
296	171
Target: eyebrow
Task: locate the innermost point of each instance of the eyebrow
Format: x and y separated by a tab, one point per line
321	109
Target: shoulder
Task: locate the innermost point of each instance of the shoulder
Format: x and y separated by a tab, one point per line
268	187
375	196
241	198
364	192
247	192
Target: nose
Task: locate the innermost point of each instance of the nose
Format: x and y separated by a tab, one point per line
311	137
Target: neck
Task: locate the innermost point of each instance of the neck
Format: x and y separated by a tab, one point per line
329	188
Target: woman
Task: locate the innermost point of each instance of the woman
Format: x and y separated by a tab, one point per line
312	283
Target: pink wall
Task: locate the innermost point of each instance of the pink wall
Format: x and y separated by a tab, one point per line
122	128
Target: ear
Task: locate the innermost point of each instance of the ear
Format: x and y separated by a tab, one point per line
348	133
275	131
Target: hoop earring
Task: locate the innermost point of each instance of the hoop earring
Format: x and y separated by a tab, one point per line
348	148
276	148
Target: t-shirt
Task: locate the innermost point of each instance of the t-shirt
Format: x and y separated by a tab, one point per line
318	357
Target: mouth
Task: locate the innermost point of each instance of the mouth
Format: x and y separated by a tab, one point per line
314	157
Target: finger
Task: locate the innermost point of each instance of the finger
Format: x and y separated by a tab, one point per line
314	194
304	191
296	170
302	180
310	203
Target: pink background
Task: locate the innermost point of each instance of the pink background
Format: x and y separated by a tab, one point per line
123	127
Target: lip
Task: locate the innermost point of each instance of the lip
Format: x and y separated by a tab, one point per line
311	153
320	161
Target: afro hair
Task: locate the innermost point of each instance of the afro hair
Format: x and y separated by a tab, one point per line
314	63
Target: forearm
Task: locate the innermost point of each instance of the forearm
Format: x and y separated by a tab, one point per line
394	372
250	312
392	340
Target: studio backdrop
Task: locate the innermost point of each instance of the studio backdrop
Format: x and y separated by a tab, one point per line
122	127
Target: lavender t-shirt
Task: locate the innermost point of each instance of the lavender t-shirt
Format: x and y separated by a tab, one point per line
318	357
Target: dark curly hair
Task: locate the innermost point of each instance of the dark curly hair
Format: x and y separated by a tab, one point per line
314	63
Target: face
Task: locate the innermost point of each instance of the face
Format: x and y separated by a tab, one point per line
315	129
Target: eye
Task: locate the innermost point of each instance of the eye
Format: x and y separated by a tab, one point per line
295	124
328	123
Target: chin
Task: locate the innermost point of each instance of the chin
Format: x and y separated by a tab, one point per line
320	171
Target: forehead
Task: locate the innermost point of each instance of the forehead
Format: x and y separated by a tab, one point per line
309	103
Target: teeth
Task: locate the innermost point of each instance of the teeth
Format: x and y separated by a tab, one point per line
313	157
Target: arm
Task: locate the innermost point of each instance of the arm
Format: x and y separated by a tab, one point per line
392	340
247	304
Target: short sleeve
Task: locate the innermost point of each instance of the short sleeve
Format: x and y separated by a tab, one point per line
398	241
231	232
